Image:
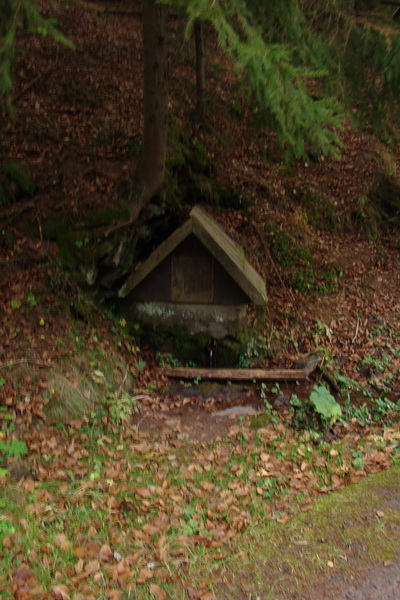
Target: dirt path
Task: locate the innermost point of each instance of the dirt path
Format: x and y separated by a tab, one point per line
372	577
346	548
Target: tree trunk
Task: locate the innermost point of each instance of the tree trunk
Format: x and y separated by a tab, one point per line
150	174
200	73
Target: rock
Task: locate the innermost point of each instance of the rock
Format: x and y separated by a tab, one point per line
236	411
281	400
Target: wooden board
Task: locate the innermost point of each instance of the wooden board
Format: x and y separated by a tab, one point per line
237	374
310	364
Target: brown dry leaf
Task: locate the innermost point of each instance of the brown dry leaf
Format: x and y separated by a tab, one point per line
285	518
92	550
158	592
206	595
193	593
8	542
62	542
92	567
80	552
143	492
78	567
24	584
207	485
151	529
105	553
24	525
144	575
61	592
113	594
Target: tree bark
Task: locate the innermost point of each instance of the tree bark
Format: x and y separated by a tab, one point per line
200	72
150	174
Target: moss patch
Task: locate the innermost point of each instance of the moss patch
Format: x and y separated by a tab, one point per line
386	198
302	271
319	212
14	182
178	347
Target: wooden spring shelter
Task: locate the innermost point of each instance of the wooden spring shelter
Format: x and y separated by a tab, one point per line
198	278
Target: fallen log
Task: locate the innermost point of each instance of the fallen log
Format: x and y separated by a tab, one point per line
237	374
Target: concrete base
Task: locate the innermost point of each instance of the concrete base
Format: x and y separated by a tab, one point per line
218	321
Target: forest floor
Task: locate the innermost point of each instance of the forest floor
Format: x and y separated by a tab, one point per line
118	483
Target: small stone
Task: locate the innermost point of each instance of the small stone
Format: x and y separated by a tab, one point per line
237	411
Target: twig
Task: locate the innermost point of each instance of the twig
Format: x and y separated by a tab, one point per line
122	383
356	333
15	210
24	361
5	350
142	419
142	397
32	82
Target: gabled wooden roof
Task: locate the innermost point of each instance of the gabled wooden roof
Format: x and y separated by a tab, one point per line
218	243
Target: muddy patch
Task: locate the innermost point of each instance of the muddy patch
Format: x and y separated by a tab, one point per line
200	413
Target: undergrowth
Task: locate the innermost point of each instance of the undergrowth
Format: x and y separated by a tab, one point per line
301	270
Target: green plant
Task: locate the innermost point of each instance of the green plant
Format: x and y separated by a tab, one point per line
302	272
167	360
361	414
358	460
31	300
15	304
263	396
255	348
120	408
6	528
193	522
13	448
317	412
325	405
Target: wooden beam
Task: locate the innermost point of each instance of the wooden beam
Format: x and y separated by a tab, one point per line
237	374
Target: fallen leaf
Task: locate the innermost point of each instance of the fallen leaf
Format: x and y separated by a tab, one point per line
105	553
144	575
62	542
92	567
151	529
79	566
193	593
61	592
80	552
158	592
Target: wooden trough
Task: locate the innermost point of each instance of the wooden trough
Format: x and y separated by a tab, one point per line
246	374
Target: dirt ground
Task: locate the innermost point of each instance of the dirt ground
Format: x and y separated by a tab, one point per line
369	582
